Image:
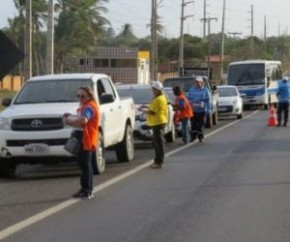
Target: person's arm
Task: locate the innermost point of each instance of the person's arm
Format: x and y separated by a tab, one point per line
208	101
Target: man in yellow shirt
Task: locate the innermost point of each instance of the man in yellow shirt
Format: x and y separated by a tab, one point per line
157	119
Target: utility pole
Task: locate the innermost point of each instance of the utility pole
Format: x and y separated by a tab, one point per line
252	20
265	29
50	40
204	17
28	41
252	29
222	42
153	55
181	38
208	21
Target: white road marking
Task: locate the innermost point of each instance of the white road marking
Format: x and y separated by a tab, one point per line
57	208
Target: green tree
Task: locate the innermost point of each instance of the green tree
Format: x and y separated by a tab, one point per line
79	27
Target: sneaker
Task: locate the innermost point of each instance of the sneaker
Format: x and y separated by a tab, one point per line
89	196
79	194
82	194
155	166
200	140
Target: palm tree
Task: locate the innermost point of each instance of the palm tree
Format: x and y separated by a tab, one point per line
79	26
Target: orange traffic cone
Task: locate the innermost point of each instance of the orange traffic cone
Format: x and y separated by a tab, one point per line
272	120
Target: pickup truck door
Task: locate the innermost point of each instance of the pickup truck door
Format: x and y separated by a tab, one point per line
111	113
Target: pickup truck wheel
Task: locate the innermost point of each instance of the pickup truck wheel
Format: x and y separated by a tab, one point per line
215	118
171	136
209	121
125	149
7	168
99	162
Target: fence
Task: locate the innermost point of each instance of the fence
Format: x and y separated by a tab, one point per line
12	83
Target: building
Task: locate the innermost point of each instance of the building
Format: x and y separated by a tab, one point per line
121	64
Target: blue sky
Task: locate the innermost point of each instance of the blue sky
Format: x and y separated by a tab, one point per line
138	13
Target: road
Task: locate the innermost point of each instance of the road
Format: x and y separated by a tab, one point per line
234	187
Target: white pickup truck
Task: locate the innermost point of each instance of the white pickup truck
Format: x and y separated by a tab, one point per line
32	130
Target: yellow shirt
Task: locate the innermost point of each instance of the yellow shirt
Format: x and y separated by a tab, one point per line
159	107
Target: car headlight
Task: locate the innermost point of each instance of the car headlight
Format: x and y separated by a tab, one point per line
4	123
235	102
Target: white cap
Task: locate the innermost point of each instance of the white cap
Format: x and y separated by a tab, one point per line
285	78
157	85
198	79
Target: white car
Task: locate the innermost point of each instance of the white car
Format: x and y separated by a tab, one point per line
230	102
142	95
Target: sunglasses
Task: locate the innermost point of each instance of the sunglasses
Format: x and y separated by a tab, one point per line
81	96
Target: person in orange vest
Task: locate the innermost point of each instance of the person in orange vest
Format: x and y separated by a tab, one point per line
87	120
185	112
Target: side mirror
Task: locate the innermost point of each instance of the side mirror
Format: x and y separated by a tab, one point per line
106	98
242	95
6	102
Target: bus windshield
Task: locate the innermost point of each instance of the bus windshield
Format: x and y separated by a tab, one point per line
246	74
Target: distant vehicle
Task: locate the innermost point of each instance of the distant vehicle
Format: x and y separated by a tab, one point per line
186	82
230	101
32	130
257	79
142	95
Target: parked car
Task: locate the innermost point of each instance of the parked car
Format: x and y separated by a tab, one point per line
32	130
186	82
142	95
230	101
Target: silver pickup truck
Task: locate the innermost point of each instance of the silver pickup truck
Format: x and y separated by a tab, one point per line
186	82
32	130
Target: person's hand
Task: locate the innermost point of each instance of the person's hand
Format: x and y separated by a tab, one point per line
65	115
143	108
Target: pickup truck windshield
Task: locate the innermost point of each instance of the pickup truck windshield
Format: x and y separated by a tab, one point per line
50	91
246	74
185	83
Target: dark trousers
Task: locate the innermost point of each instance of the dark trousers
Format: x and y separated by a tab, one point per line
197	126
158	141
86	167
283	108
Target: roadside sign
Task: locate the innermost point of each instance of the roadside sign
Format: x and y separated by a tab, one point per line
10	55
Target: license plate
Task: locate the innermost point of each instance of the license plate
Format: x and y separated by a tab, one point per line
36	149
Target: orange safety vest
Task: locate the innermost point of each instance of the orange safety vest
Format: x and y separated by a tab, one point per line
91	128
187	111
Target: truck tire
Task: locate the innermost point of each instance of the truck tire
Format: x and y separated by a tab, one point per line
209	121
171	136
7	168
125	149
99	162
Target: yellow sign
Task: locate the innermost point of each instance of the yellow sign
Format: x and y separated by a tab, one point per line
143	54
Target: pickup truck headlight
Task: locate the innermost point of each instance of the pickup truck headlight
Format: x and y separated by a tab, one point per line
4	123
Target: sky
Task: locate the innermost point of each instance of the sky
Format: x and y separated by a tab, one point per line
238	16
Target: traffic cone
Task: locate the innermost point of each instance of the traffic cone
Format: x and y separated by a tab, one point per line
272	120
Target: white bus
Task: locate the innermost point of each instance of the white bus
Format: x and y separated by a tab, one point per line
257	80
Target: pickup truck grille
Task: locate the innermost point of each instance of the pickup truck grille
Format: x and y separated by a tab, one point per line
50	142
36	124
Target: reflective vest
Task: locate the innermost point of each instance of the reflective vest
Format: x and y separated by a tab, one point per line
91	128
186	112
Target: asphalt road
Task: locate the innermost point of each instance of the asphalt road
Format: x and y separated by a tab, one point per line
235	187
